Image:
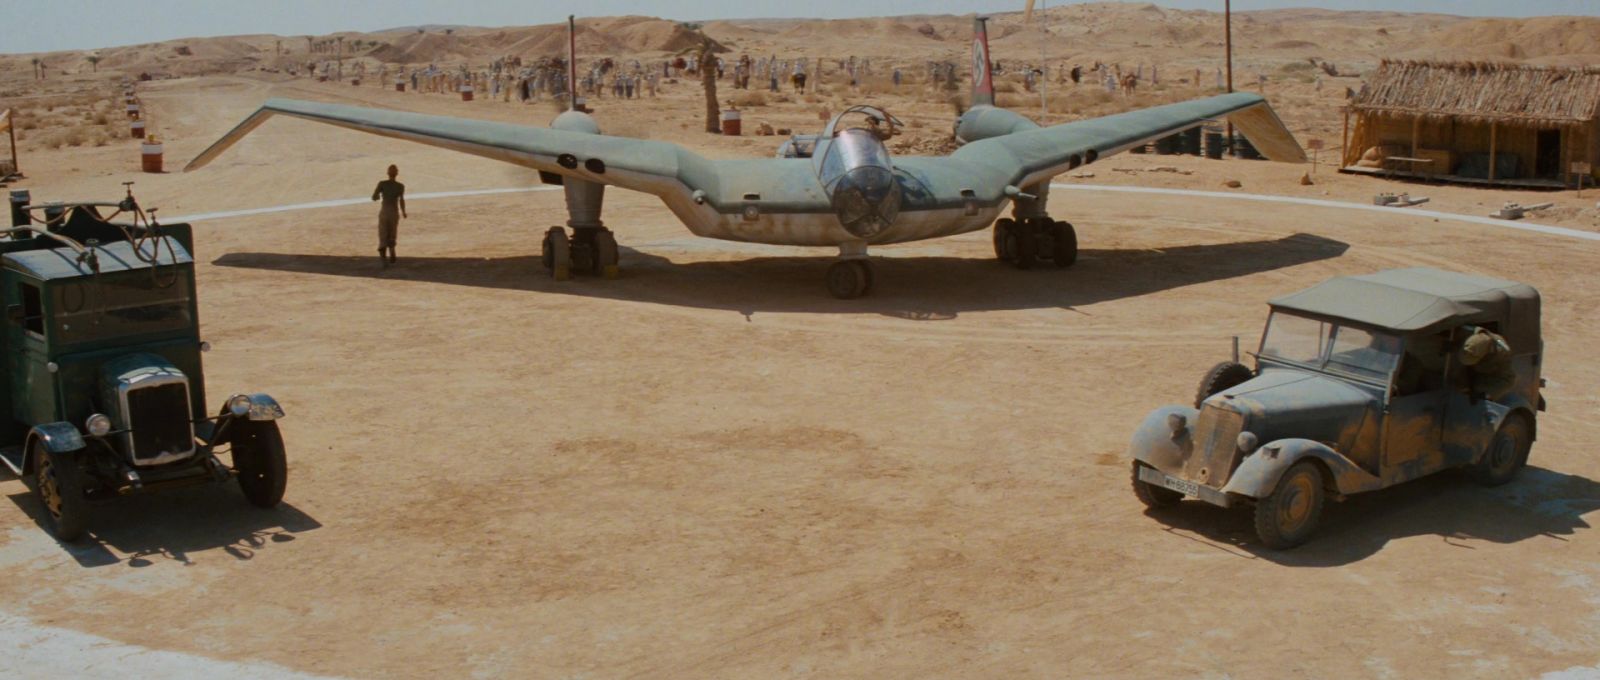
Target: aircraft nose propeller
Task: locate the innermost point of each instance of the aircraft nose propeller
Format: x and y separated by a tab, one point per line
867	200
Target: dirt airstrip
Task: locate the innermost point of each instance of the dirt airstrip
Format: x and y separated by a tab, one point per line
710	468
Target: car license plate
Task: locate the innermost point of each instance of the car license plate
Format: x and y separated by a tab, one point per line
1182	486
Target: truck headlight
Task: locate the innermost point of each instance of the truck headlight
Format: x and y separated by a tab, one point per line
239	405
98	425
1248	441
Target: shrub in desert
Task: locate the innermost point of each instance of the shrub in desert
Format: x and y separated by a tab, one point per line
749	98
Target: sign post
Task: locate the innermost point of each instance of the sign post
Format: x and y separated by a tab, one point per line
1315	144
1584	171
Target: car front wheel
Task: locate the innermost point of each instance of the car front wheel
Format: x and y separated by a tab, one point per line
1152	496
1288	516
260	462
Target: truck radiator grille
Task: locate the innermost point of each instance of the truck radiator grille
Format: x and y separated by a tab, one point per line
159	418
1216	446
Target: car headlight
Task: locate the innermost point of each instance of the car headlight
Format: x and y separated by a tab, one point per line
239	405
1248	442
98	425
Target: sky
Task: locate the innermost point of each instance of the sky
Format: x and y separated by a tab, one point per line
48	25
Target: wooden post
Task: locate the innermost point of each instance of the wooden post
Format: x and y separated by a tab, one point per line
1416	131
11	130
1494	128
1344	155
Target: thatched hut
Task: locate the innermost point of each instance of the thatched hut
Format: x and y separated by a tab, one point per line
1473	122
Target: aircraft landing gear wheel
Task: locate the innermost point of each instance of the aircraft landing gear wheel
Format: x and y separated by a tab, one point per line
1066	244
557	254
58	483
1002	239
1023	245
605	254
849	279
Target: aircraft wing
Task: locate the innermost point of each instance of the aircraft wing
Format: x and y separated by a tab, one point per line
653	167
1033	156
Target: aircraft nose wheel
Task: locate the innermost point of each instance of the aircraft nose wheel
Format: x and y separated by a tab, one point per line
850	279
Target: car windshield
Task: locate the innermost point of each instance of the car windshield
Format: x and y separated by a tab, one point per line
1331	347
1296	338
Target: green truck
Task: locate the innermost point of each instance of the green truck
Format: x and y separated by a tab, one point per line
103	393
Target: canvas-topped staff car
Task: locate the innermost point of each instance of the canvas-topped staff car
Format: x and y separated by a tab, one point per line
102	393
1359	384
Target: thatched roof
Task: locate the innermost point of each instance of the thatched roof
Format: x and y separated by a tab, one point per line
1514	94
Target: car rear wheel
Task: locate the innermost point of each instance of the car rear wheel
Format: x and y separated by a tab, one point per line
1152	496
1221	376
260	462
1288	516
58	482
1508	452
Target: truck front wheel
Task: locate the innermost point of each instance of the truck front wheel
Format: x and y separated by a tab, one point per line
1152	496
1287	517
58	482
258	458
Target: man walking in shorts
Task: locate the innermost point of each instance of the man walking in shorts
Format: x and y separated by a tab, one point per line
394	207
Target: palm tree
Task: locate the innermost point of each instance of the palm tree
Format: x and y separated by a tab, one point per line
94	61
308	43
36	68
708	80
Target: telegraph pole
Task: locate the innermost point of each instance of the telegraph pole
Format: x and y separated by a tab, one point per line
1227	22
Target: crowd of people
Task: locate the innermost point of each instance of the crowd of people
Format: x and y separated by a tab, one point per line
513	78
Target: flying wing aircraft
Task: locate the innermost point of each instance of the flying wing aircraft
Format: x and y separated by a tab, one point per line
849	194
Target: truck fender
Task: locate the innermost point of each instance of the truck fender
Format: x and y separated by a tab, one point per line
1155	444
57	437
262	407
1257	475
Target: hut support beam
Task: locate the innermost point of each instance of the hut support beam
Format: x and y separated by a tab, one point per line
1493	130
1416	132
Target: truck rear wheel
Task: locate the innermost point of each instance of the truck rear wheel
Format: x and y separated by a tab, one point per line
1288	516
1221	376
1152	496
58	482
1508	452
259	460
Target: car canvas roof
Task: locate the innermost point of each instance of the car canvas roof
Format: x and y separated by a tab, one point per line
1423	300
62	263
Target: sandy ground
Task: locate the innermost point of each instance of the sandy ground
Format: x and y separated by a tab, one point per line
709	468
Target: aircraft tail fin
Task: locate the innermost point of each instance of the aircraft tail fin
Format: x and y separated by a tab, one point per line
982	74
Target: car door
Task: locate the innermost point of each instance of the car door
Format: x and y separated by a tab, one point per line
1467	428
1412	436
